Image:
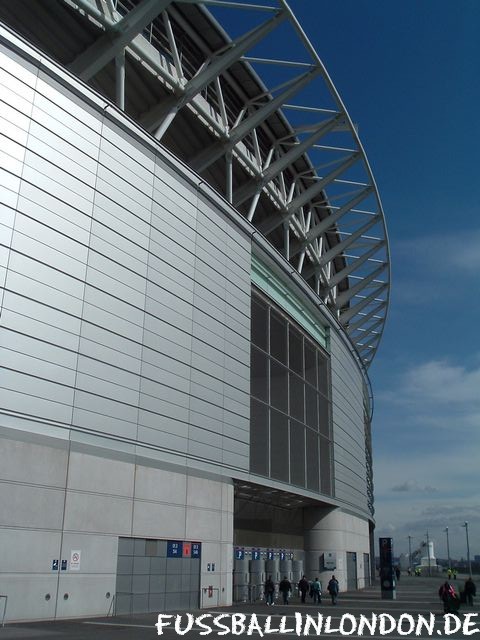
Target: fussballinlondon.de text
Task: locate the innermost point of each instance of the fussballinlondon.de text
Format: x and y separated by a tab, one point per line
304	625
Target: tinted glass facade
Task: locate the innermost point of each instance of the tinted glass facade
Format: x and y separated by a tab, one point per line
290	433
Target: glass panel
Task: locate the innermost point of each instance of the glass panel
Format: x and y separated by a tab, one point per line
324	418
295	349
279	446
259	451
259	323
323	377
297	453
297	401
312	460
310	364
325	466
278	337
259	375
278	386
311	409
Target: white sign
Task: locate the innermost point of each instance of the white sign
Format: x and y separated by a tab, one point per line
75	560
330	560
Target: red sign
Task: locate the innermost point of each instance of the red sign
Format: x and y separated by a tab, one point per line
187	549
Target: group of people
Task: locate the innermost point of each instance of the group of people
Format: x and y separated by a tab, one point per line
313	588
451	601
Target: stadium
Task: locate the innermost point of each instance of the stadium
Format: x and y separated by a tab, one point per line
195	279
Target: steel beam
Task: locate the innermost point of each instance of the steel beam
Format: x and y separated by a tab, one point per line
88	63
345	316
355	264
159	118
348	294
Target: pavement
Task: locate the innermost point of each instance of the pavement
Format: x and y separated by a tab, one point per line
415	596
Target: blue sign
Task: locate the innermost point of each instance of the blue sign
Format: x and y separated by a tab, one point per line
54	565
255	554
270	554
196	549
174	549
282	555
239	554
64	565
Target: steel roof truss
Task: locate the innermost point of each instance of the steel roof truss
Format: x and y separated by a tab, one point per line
352	311
161	116
355	264
366	317
247	190
347	295
88	63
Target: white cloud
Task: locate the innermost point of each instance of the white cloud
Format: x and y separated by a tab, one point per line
413	485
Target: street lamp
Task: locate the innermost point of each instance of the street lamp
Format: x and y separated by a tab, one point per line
448	550
468	549
410	552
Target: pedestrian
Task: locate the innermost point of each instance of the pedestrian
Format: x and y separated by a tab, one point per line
449	574
447	595
454	572
316	591
303	587
397	573
470	591
333	589
269	591
285	587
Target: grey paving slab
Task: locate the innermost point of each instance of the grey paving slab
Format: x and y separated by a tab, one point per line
415	597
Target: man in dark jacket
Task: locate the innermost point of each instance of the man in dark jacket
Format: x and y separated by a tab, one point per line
285	587
470	590
269	591
333	589
303	588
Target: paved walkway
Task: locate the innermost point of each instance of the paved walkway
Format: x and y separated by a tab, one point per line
415	596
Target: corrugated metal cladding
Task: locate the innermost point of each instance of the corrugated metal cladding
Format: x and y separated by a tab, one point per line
348	426
126	302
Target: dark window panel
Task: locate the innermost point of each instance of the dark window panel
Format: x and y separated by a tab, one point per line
297	453
259	449
297	400
259	324
313	475
323	416
279	467
295	350
278	386
310	364
278	336
311	407
259	375
325	466
323	375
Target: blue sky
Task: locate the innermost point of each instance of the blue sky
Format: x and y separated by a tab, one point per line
408	74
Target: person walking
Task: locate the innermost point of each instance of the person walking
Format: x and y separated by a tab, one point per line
285	587
447	596
333	589
269	591
303	587
470	590
316	591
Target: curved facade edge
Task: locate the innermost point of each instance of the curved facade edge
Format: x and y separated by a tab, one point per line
125	320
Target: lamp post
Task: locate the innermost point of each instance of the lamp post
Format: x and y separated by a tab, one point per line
468	549
410	552
448	550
